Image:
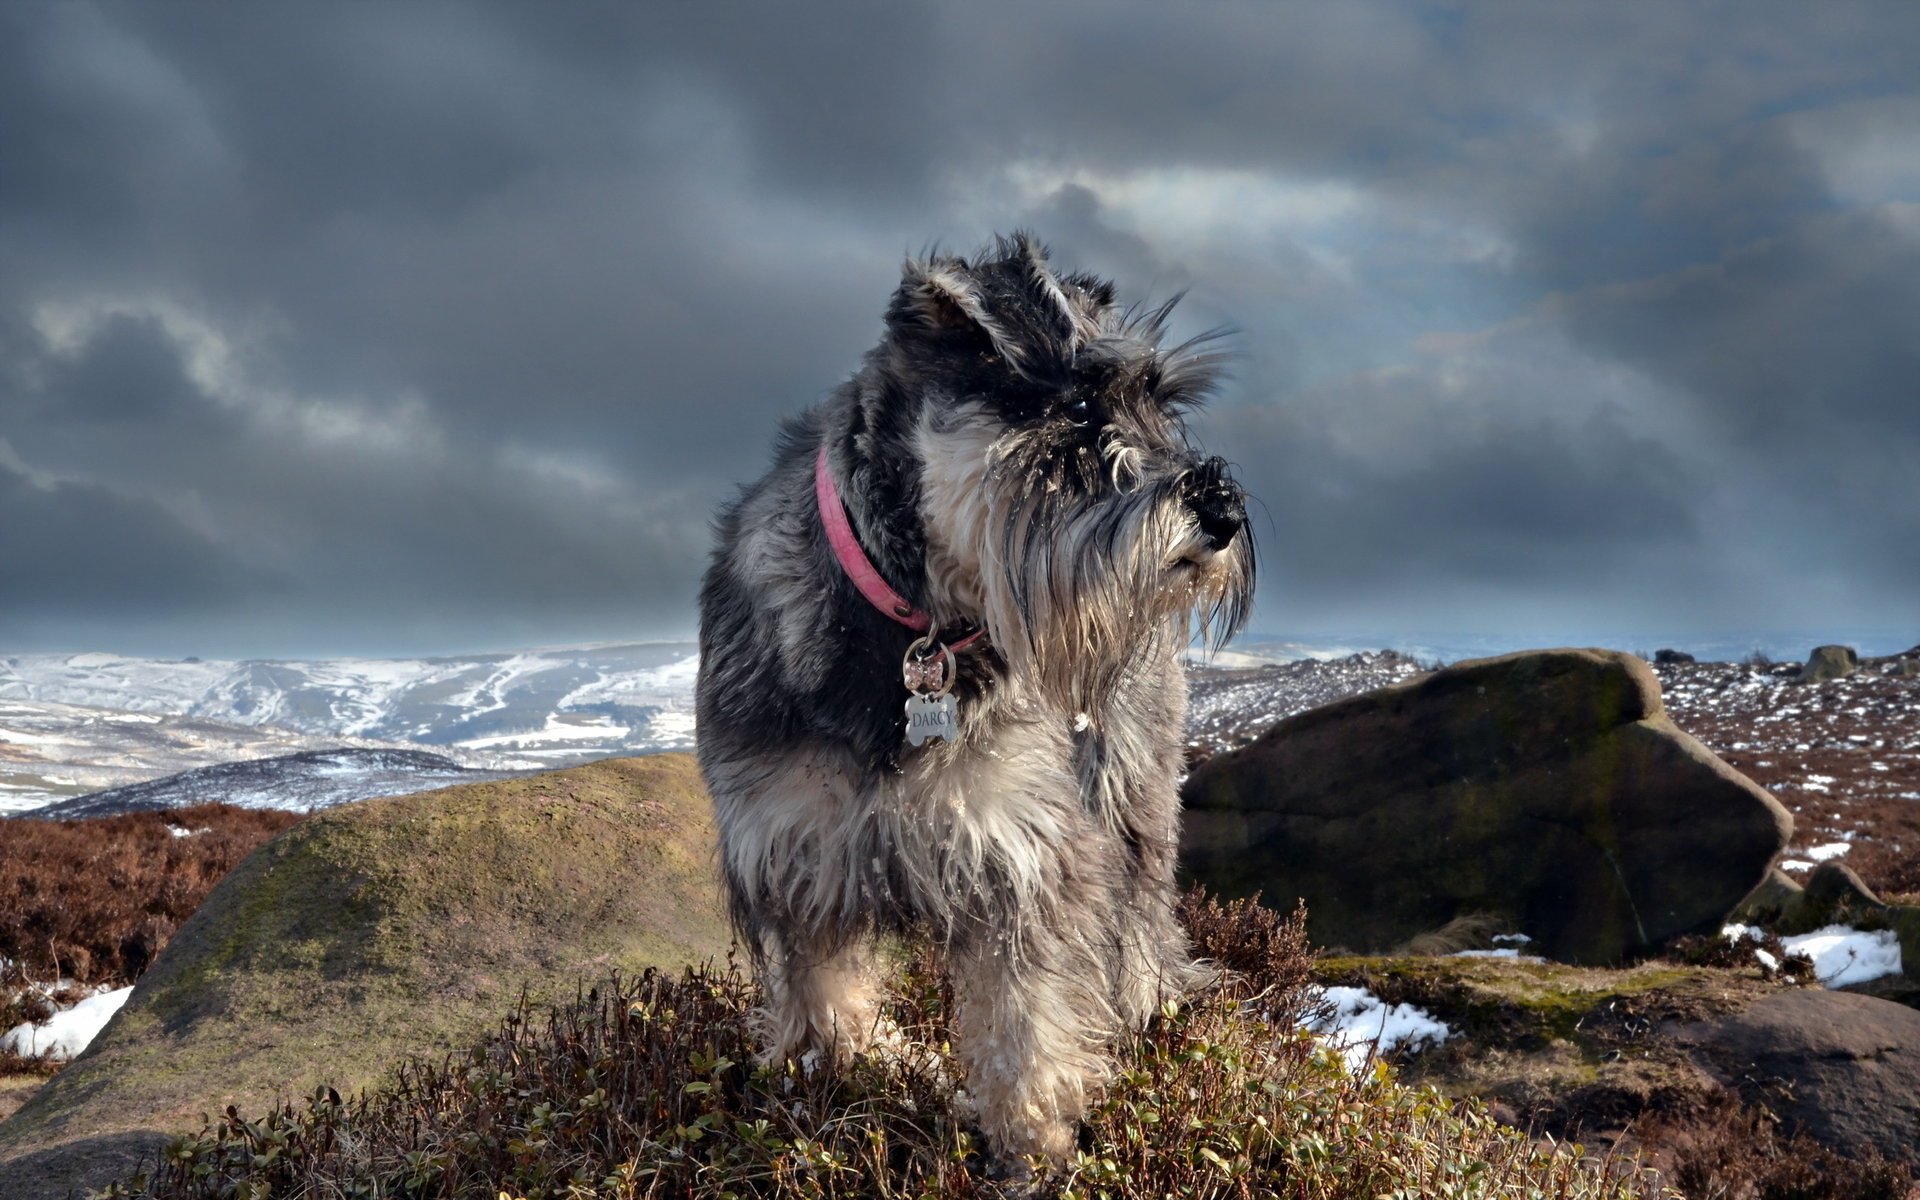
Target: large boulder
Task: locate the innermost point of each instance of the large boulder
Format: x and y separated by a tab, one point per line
1543	790
368	932
1845	1068
1829	662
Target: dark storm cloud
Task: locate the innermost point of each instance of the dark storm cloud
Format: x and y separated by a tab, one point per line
396	327
79	549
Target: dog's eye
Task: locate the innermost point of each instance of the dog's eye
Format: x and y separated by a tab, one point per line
1079	409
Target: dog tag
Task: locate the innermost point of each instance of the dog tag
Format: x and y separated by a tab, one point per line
930	717
929	672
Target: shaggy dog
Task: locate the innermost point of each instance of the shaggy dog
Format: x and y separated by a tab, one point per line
1001	522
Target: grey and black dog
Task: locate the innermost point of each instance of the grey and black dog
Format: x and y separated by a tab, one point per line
1012	457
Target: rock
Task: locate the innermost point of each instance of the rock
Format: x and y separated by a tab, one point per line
1833	895
1829	662
375	930
1843	1067
1546	789
1904	920
1671	657
1765	903
1905	667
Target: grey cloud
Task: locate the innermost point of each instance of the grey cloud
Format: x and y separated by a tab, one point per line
515	293
72	548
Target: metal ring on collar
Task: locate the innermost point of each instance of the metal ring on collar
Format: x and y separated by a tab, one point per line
923	642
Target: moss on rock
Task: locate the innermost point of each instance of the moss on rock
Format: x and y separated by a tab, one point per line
395	926
1572	1051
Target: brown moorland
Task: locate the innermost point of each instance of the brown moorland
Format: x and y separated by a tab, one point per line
92	901
1842	755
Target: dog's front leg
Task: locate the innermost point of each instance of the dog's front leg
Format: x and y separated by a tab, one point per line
822	999
1032	1024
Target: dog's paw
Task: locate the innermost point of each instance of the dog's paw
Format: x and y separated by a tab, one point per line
1013	1178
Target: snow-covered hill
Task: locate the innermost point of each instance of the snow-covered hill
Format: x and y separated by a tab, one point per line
299	782
537	707
51	751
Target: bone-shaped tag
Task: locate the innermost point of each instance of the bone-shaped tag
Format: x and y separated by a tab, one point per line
931	717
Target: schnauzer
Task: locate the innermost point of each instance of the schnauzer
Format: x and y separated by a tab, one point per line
1001	522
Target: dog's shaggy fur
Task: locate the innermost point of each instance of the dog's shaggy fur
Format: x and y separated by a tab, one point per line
1011	455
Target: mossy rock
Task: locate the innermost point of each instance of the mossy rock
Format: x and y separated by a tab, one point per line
376	930
1829	662
1545	791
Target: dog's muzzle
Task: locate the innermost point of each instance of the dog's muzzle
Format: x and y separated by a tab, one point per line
1218	504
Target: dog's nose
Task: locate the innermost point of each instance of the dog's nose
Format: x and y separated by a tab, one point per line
1219	527
1217	502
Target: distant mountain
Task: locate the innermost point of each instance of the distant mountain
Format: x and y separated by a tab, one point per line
520	709
310	734
51	752
299	782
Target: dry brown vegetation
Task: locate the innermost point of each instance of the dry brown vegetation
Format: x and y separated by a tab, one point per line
92	901
1734	1152
649	1088
1843	755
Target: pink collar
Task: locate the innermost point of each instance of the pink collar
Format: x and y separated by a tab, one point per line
859	568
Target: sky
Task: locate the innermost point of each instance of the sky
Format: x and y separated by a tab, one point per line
423	328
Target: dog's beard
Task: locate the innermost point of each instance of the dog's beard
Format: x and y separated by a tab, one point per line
1081	590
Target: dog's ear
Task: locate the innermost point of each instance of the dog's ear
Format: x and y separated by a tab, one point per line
939	296
1094	293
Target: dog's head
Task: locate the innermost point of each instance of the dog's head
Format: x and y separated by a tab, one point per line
1062	498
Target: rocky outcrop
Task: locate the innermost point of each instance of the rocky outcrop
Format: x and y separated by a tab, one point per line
1546	790
1834	895
1829	662
368	932
1844	1068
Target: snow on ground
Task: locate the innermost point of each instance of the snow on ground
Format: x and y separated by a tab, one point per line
1359	1025
69	1031
1512	952
560	729
1513	948
1841	956
1227	708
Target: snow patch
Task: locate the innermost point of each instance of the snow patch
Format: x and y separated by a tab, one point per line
1360	1022
67	1032
1841	956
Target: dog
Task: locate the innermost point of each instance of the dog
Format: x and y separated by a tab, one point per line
940	683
